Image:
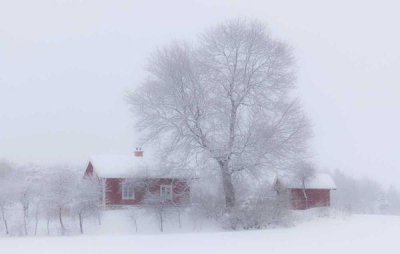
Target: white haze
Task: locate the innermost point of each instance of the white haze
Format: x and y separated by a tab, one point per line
65	67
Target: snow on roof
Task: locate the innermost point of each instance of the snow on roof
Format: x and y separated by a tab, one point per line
318	181
124	166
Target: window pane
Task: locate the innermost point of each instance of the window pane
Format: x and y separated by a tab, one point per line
128	191
166	192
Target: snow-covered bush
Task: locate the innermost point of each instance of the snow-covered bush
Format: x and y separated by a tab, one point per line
260	206
267	209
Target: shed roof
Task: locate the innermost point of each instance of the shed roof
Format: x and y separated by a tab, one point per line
317	181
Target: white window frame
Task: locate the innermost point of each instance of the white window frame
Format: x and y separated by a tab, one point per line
163	192
127	191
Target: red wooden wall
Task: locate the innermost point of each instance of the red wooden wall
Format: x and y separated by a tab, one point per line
146	189
315	197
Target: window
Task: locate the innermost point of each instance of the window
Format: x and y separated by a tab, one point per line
166	193
128	191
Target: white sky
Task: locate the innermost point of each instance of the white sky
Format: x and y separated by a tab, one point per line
65	66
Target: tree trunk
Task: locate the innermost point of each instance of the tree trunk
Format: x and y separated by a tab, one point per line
160	214
305	194
25	218
161	223
80	222
4	219
61	221
136	228
179	218
36	219
25	227
48	225
229	191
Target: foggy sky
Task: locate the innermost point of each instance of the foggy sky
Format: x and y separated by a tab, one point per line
65	67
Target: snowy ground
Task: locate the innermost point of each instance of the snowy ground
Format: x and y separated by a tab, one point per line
354	234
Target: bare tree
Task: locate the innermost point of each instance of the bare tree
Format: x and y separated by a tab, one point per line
25	193
133	214
303	172
53	194
59	193
154	202
181	196
7	196
225	100
37	201
25	201
87	196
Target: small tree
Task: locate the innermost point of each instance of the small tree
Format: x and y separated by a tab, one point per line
26	192
7	196
181	196
25	198
60	192
37	201
158	207
86	199
133	214
155	202
304	171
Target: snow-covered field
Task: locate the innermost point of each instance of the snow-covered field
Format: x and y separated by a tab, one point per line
353	234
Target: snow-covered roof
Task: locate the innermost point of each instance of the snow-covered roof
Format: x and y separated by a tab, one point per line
125	166
317	181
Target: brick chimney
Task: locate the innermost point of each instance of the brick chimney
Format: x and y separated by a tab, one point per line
138	152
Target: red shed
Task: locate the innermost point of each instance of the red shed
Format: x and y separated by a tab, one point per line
130	180
316	191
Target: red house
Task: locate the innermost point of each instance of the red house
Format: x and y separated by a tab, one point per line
129	180
316	191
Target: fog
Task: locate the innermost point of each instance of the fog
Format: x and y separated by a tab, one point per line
65	67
